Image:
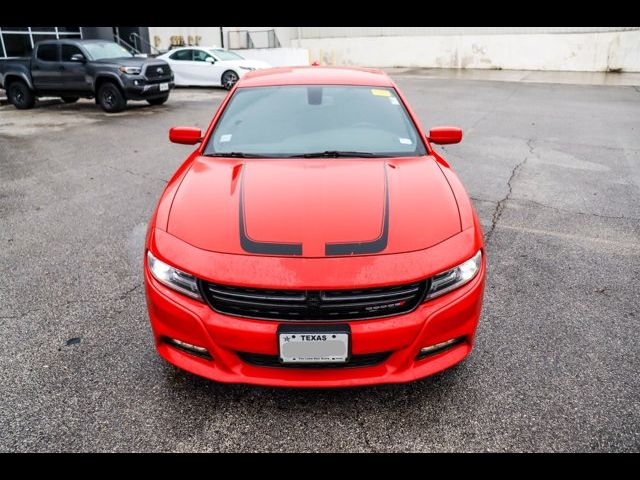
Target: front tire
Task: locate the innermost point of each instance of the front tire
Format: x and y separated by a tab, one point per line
229	79
70	99
21	95
158	101
111	98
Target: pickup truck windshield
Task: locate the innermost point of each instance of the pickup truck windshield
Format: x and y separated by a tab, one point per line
102	50
315	120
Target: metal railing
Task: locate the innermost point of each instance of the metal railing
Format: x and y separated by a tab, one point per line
136	38
243	39
126	45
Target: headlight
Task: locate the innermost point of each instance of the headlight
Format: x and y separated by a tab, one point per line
131	70
248	68
456	277
173	278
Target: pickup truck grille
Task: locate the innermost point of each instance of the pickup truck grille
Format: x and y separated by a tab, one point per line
313	305
157	71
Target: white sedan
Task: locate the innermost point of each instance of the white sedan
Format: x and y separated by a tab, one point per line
203	66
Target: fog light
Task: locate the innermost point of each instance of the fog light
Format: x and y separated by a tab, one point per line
187	347
438	347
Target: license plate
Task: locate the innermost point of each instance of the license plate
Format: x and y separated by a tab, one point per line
164	87
320	344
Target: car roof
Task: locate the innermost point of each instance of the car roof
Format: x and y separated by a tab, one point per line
315	75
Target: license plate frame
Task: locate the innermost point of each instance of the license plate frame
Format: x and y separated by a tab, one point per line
340	334
164	87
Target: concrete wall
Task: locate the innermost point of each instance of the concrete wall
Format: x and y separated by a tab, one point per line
278	57
590	51
207	36
160	37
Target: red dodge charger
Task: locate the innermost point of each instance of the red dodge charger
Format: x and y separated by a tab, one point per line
314	238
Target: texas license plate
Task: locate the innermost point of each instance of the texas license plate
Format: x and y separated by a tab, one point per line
319	344
164	87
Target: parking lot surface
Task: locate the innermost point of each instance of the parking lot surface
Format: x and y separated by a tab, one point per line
554	172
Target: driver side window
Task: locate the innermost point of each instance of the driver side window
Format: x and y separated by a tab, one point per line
182	55
200	56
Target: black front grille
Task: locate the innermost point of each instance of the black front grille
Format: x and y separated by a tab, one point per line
314	305
157	71
366	360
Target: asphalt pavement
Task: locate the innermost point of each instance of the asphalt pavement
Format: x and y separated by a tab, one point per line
554	172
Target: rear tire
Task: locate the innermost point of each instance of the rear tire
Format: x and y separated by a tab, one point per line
158	101
111	98
70	99
21	95
229	79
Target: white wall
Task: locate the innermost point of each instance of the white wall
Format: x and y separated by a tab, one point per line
278	57
593	51
209	36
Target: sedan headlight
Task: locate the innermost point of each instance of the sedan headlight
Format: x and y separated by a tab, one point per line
173	278
455	278
131	70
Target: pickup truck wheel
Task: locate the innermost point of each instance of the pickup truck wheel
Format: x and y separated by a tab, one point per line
70	99
158	101
21	95
111	98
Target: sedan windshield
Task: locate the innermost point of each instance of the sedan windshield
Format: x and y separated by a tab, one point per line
222	54
102	50
315	121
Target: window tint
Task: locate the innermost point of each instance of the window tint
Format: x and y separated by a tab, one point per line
185	55
302	119
48	52
105	50
69	51
200	56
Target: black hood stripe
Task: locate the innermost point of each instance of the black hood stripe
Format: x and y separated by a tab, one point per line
266	248
366	247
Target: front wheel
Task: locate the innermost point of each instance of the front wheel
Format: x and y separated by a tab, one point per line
229	79
70	99
111	98
21	95
159	100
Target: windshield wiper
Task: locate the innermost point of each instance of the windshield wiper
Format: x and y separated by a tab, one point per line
335	154
233	154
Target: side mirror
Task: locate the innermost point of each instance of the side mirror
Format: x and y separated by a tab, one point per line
185	135
78	57
210	60
445	135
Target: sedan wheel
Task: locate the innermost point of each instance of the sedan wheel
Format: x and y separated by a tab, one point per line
229	79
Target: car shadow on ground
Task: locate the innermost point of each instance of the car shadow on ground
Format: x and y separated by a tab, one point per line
434	387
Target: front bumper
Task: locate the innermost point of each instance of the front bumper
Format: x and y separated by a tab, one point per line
144	89
454	315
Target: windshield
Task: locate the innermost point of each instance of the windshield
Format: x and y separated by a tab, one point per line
225	54
297	120
102	50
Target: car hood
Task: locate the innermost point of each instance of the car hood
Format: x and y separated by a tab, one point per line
132	61
314	207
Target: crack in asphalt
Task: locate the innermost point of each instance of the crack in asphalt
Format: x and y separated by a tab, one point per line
365	433
500	205
122	296
558	209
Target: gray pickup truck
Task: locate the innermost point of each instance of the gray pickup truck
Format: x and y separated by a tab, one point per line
98	69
